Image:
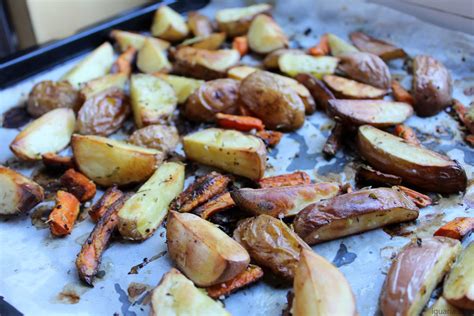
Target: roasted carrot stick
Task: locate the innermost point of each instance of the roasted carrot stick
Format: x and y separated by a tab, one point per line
240	44
457	228
217	204
270	138
334	141
78	184
252	274
55	161
62	218
240	123
123	64
320	49
407	133
284	180
400	94
108	198
419	199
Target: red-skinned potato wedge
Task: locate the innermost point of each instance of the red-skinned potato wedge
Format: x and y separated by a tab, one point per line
414	274
151	58
282	201
109	197
202	251
407	133
400	94
164	138
320	288
241	44
459	284
285	180
123	64
345	88
265	35
54	161
217	204
19	194
211	42
125	39
366	68
416	165
377	113
320	49
238	122
420	200
334	141
270	138
367	174
251	275
457	228
48	95
236	21
62	218
78	184
369	44
353	213
199	25
318	90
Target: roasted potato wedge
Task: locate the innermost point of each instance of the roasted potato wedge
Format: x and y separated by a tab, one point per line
236	21
265	35
144	211
152	58
153	100
229	150
199	25
19	194
293	65
442	307
169	25
369	44
345	88
458	287
432	86
240	72
94	65
176	295
416	165
108	162
49	95
202	251
283	201
211	42
49	133
414	274
183	87
126	39
338	46
320	288
273	100
204	64
367	174
318	90
352	213
164	138
377	113
101	84
366	68
271	60
271	243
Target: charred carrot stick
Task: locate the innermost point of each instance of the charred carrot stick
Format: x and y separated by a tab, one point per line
419	199
334	141
460	110
217	204
400	94
252	274
407	133
108	198
470	140
240	44
320	49
270	138
240	123
64	215
457	228
123	64
55	161
284	180
78	184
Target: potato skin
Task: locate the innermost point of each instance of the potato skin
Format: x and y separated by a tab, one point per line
273	101
164	138
366	68
49	95
432	86
216	96
318	90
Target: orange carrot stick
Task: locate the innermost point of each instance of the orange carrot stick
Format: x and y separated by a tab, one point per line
284	180
320	49
457	228
270	138
407	133
217	204
123	64
252	274
62	218
240	44
400	94
78	184
419	199
240	123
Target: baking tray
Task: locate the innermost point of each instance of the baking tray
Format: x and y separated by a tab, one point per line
37	271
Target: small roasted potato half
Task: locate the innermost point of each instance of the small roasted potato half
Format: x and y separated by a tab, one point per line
271	60
338	46
107	162
414	274
152	58
169	25
273	100
144	211
458	287
212	97
265	35
49	133
377	113
345	88
282	201
271	243
126	39
204	64
229	150
183	87
176	295
320	288
432	86
318	90
19	194
153	100
366	68
164	138
99	85
369	44
211	42
49	95
202	251
418	166
353	213
293	65
199	25
94	65
236	21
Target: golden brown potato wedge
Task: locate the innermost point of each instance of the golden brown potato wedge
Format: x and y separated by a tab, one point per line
320	288
369	44
108	162
345	88
126	39
176	295
211	42
236	21
338	46
204	64
442	307
271	60
169	25
352	213
265	35
229	150
202	251
414	274
416	165
19	194
152	58
49	95
144	211
293	65
271	243
164	138
101	84
318	90
49	133
366	68
183	87
378	113
199	25
283	201
458	287
240	72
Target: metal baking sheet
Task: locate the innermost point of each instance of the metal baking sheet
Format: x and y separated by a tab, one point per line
37	272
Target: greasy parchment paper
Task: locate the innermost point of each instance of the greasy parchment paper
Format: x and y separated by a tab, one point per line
37	272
